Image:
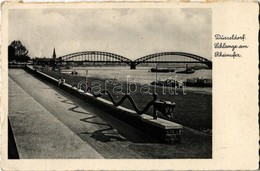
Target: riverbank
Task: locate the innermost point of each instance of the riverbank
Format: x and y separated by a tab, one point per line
193	108
96	129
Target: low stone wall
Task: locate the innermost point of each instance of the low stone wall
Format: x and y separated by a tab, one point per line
163	130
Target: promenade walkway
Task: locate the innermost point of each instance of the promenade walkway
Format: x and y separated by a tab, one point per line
38	133
49	123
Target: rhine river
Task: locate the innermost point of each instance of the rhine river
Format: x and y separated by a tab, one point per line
140	74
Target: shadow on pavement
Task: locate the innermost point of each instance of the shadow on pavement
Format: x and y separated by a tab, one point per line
12	149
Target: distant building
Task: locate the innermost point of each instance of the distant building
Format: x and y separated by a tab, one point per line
54	64
54	54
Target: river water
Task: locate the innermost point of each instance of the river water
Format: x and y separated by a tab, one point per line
141	74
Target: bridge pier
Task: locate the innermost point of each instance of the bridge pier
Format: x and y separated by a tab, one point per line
210	65
132	65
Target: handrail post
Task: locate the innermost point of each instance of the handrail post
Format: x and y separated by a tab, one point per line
165	107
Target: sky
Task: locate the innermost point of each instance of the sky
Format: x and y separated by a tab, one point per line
132	33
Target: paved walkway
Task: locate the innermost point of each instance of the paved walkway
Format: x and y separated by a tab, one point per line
49	123
38	133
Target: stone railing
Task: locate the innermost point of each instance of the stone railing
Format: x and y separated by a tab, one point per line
161	129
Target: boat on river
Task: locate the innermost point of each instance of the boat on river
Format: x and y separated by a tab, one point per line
198	82
167	83
187	71
165	70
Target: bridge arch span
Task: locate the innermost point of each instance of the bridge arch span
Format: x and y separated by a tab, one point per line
95	56
149	58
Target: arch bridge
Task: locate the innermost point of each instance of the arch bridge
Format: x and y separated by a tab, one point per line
95	57
106	57
172	57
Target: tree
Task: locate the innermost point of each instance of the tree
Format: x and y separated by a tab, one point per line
17	51
11	53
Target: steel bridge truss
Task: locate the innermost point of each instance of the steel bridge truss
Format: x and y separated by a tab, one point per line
95	56
163	57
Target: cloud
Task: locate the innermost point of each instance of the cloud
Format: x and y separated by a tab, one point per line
129	32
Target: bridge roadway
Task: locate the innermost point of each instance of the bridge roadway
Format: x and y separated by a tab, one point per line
48	123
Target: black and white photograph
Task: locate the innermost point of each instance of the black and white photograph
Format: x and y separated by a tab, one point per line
129	86
110	83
